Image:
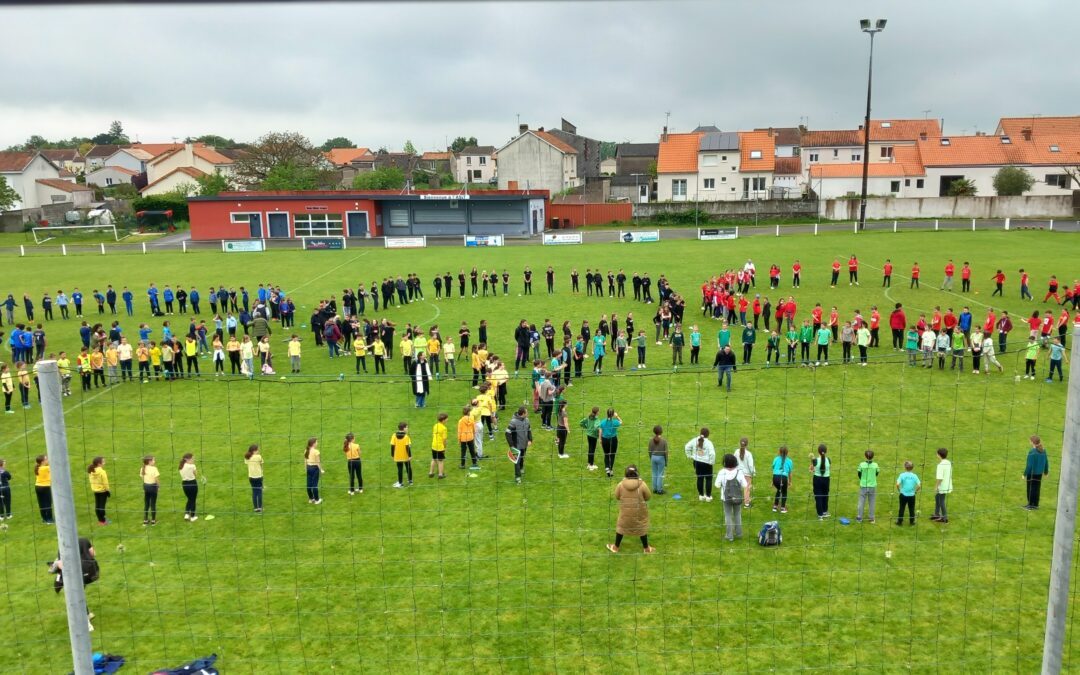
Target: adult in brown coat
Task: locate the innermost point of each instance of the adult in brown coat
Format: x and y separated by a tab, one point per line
633	496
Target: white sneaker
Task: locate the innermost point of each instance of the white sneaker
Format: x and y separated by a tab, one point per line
708	499
701	498
187	517
194	518
397	485
317	501
564	456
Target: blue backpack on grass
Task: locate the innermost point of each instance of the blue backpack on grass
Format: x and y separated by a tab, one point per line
770	535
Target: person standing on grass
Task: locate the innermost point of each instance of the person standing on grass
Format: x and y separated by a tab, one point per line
254	461
439	434
1057	358
519	438
658	458
915	272
942	486
590	424
733	485
1037	468
351	449
562	426
908	485
313	468
820	469
43	488
151	482
950	270
5	491
746	465
633	497
8	386
701	452
466	435
724	362
189	482
421	379
401	453
781	478
868	471
609	439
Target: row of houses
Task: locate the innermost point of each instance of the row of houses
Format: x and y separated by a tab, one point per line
473	164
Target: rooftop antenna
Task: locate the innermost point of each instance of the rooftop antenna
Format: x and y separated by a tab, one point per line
667	119
926	113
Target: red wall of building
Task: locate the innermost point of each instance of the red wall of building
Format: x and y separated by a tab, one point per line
578	215
212	219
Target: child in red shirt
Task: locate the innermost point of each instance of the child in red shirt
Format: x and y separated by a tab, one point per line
914	276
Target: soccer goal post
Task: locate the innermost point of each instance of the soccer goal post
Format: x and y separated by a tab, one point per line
44	234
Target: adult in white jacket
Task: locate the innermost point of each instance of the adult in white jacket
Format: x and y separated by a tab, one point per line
989	359
732	483
746	465
700	449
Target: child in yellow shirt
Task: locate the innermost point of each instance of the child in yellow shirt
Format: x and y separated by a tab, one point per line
63	364
294	353
359	347
401	453
438	447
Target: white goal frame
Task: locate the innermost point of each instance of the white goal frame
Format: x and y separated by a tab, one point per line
46	231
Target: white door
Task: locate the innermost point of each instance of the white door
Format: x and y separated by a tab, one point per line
643	194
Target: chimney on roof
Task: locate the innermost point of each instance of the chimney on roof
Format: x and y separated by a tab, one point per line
922	135
522	128
860	127
540	129
1026	133
663	136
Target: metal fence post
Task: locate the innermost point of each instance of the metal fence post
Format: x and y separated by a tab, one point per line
67	530
935	224
778	230
63	249
1051	224
1007	220
815	229
972	224
144	248
894	226
102	248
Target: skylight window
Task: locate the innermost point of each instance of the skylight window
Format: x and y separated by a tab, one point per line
1005	140
1054	148
756	154
945	141
886	125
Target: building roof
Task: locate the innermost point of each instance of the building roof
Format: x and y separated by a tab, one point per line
1000	150
784	135
705	128
758	149
828	139
437	156
117	169
64	173
555	141
211	155
478	150
102	151
343	156
908	157
719	140
854	170
137	153
63	185
903	130
188	170
233	153
62	155
787	166
15	161
678	153
1015	126
155	149
637	149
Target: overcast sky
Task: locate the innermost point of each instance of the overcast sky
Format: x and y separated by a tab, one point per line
383	73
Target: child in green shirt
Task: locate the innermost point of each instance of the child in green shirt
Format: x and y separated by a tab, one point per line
868	473
958	349
1030	357
911	344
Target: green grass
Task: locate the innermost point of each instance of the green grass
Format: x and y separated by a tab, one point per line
480	574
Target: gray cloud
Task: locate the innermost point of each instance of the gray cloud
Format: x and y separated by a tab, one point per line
384	73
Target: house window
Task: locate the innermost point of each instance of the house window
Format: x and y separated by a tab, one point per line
708	160
108	181
723	158
241	218
1054	148
709	184
755	154
907	182
399	217
835	153
758	183
56	199
1005	140
723	179
886	152
919	182
468	161
813	157
678	187
894	186
856	156
1060	180
483	161
317	224
477	174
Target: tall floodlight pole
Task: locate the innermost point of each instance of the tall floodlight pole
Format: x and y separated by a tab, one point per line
871	30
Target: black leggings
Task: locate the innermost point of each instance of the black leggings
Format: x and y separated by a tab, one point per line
406	467
470	448
44	500
644	540
191	491
150	493
592	449
560	436
100	499
704	474
356	471
610	447
781	485
5	501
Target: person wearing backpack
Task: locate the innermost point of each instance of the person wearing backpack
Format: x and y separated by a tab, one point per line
733	485
701	451
820	469
868	473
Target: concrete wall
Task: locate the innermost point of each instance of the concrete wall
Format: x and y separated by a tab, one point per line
740	210
951	207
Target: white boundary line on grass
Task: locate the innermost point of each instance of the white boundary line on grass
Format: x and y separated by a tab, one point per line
39	427
326	273
972	301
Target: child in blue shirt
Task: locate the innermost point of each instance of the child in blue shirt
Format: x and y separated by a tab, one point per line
908	485
1057	357
781	479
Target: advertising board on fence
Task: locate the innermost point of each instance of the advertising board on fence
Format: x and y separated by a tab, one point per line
405	242
639	237
243	246
717	233
324	243
475	240
562	238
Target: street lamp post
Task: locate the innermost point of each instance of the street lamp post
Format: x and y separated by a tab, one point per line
876	27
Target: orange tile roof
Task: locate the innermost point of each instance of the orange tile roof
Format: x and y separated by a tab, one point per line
156	149
189	170
788	166
210	155
343	156
1014	126
757	141
970	151
437	156
903	130
908	157
118	169
15	162
826	139
678	153
63	185
559	144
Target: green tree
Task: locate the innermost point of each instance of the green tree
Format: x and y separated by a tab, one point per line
289	156
213	140
607	149
336	142
409	148
212	184
388	178
652	169
8	196
963	188
1012	181
290	176
460	143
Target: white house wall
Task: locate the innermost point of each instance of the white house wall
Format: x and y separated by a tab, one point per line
25	183
536	165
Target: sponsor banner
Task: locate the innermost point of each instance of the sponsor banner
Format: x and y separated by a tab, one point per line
562	238
639	237
475	240
716	233
454	197
405	242
243	246
324	243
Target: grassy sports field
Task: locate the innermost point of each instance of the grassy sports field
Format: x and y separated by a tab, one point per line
475	572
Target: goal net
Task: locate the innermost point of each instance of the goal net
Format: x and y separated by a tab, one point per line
96	232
